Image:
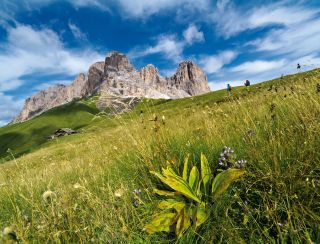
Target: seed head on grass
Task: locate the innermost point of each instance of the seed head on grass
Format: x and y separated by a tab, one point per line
163	120
250	132
26	218
77	186
49	196
9	234
119	193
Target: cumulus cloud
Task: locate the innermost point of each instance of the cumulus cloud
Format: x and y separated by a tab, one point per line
214	63
192	34
258	66
29	51
167	45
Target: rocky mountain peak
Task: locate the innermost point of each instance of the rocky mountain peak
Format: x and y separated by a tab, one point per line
190	77
149	74
117	78
188	68
116	61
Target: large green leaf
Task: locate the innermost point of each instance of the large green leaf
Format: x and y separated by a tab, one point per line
224	179
171	204
178	184
194	178
185	168
205	174
165	193
161	222
202	215
183	223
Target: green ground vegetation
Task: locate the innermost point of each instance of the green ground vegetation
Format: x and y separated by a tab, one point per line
274	125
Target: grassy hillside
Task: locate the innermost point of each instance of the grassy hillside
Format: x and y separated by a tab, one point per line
92	174
24	137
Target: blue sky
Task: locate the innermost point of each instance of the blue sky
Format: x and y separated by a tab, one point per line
46	42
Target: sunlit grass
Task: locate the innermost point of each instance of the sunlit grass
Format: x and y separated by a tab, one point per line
277	201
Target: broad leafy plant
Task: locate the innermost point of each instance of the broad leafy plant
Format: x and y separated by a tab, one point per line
192	193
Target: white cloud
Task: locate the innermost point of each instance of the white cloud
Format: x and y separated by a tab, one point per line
102	5
227	19
168	45
231	20
298	39
140	9
45	86
128	8
9	8
258	66
9	107
294	37
274	14
146	8
253	71
308	62
214	63
29	51
168	72
192	35
10	85
222	4
219	85
77	33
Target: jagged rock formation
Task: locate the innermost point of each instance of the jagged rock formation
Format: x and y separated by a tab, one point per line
116	104
116	77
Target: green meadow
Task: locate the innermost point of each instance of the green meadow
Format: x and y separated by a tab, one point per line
91	176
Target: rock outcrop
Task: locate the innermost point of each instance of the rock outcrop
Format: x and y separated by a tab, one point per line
116	77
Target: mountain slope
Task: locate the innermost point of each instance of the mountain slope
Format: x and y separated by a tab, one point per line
17	139
27	136
275	126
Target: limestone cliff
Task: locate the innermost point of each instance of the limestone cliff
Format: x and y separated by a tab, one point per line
116	76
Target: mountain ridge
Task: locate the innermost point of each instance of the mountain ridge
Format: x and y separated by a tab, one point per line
116	76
